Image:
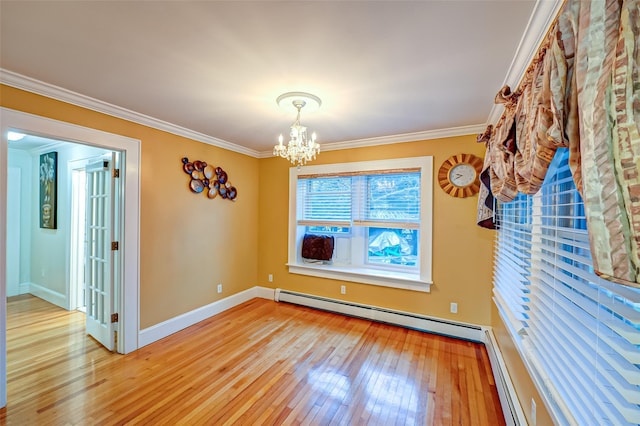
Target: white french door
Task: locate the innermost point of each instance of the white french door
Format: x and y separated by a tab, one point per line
100	259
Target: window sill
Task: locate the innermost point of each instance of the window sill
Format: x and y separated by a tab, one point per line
363	275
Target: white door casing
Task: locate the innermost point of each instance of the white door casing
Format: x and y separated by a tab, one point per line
13	232
128	297
77	238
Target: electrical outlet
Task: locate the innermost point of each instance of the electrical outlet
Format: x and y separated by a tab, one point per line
454	308
270	278
533	412
219	288
343	289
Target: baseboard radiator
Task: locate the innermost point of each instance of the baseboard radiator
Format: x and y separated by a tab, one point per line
404	319
511	407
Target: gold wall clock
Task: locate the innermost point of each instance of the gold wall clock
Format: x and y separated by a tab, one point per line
458	175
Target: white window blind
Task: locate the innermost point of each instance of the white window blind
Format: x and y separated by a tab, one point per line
326	200
391	200
376	198
512	264
579	334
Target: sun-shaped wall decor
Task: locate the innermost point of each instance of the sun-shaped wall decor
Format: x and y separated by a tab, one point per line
459	175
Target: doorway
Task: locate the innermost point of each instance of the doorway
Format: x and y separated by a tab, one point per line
128	298
59	261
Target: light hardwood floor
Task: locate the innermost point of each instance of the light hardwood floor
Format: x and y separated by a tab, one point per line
262	362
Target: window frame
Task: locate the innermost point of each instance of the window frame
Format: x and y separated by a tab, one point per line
416	280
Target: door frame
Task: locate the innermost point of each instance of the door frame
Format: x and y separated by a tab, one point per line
75	294
129	325
16	230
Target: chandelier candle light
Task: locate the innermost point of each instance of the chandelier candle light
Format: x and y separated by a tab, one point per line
300	147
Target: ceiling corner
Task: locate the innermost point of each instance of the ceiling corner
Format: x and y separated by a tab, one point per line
544	13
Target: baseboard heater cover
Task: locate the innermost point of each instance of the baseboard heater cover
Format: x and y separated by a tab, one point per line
511	408
405	319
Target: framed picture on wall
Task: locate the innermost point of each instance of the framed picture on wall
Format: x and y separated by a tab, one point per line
48	190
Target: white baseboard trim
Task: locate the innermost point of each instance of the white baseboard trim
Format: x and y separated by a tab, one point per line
23	288
159	331
264	292
511	407
47	294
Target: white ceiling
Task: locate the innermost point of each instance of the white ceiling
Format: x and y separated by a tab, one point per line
381	68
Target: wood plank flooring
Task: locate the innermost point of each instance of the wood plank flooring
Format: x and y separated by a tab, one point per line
260	363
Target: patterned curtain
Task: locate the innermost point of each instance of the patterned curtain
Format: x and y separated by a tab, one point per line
582	92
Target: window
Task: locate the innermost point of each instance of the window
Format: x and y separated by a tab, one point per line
378	213
578	334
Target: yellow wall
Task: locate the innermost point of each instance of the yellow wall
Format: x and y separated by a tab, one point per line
461	250
188	243
522	382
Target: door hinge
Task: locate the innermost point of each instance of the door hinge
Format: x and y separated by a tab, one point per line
115	245
114	318
116	173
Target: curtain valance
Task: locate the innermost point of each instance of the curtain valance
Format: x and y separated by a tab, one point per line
581	92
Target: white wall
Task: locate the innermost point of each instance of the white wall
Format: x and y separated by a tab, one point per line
50	249
44	253
22	161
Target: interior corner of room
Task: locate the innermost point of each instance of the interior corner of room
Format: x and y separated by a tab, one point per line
151	233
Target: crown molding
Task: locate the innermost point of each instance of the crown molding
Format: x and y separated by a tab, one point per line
41	88
544	13
35	86
404	137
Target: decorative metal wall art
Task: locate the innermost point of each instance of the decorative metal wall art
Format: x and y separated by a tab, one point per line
213	181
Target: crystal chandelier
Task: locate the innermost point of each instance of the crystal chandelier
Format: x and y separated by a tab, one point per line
300	147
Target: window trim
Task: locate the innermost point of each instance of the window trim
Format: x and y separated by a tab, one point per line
403	280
